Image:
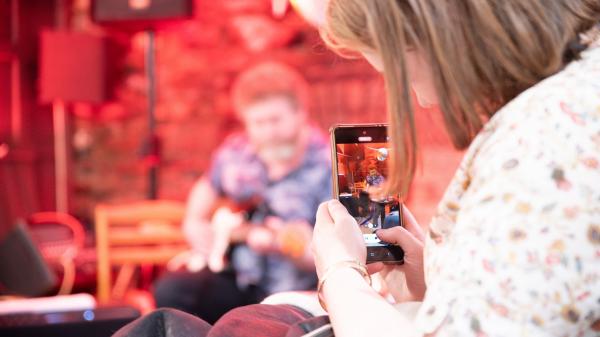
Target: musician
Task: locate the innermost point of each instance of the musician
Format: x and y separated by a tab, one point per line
275	173
374	178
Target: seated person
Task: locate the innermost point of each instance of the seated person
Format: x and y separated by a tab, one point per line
277	171
371	202
513	249
374	179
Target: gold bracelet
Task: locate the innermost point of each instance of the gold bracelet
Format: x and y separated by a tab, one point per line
359	267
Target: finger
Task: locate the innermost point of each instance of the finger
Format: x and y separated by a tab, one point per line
411	224
401	237
375	267
323	215
323	224
338	212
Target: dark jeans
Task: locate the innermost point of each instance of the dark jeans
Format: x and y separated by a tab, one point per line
249	321
204	294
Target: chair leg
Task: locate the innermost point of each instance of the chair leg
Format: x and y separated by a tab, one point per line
123	280
147	273
102	255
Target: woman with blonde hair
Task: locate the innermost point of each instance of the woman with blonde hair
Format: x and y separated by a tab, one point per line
514	249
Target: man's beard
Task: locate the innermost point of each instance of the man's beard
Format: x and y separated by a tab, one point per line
277	153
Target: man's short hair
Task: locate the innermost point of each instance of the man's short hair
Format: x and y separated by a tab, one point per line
267	80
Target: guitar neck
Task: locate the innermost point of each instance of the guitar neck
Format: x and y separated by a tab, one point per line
239	234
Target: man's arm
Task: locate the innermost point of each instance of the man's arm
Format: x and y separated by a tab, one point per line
196	224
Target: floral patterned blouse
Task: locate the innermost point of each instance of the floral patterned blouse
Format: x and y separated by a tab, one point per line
514	249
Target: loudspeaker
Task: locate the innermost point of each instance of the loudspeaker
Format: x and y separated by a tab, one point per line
73	67
23	270
140	14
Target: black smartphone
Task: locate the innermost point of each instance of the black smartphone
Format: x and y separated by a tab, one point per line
360	156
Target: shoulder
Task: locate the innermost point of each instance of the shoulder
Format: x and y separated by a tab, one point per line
234	146
554	123
525	215
235	141
569	99
318	150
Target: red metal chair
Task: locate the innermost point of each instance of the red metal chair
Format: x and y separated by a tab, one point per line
59	237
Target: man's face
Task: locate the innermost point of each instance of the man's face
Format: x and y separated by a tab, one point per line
273	126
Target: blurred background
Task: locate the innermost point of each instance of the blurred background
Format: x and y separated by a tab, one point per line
115	102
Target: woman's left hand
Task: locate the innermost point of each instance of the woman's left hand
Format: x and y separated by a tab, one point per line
336	237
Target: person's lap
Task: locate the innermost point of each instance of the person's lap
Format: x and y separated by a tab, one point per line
258	320
252	320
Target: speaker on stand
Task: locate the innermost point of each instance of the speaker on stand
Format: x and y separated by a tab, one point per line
67	77
148	16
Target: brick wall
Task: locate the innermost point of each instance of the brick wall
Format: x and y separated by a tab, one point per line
197	61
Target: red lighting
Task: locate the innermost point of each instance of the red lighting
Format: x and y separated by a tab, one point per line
139	4
4	149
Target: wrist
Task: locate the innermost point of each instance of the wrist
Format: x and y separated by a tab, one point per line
342	274
342	278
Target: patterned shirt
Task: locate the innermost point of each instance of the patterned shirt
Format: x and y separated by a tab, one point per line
375	179
514	249
294	197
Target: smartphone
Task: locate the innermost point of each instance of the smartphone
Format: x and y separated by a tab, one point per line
360	156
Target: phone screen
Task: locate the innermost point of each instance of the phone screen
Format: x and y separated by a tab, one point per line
361	165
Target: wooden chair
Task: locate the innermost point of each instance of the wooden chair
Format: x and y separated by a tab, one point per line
138	234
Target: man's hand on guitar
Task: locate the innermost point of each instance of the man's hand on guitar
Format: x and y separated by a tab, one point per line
224	223
210	243
264	239
293	241
276	236
228	227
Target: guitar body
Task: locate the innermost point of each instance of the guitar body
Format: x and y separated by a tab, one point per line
229	221
231	226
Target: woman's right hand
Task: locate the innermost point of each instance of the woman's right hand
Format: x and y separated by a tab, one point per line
406	282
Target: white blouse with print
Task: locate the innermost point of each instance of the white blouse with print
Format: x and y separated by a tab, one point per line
514	249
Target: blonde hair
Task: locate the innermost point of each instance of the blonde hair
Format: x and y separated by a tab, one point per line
482	53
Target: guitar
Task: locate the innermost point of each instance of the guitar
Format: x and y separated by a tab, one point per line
230	226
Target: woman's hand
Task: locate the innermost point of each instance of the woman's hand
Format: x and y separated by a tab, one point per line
405	282
336	237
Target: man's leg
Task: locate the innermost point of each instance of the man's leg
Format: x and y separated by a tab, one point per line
204	294
379	214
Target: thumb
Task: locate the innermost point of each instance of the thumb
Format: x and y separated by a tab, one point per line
323	216
375	267
398	235
338	212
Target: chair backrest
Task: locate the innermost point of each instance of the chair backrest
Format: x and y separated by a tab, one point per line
145	232
56	234
60	237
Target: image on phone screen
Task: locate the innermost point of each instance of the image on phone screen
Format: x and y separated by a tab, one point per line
362	156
